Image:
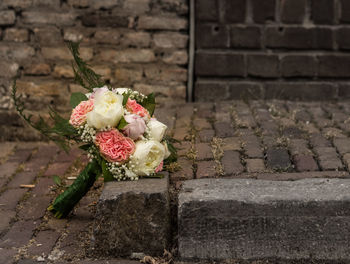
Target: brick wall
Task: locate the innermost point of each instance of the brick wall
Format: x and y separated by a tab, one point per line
135	43
289	49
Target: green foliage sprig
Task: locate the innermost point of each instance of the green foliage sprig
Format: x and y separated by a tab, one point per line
60	133
84	75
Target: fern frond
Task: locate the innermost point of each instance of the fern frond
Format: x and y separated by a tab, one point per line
84	75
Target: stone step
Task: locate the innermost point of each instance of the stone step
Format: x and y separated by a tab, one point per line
132	217
259	219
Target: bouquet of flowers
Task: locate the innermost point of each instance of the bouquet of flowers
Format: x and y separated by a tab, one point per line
116	127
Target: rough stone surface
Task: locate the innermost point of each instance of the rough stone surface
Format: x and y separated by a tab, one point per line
252	219
132	217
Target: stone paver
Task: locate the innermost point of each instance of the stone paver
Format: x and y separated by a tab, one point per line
273	140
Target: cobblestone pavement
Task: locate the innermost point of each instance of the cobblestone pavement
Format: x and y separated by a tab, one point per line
275	140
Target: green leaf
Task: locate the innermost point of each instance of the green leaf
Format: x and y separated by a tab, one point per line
76	98
173	153
122	123
85	147
126	97
149	103
107	175
57	180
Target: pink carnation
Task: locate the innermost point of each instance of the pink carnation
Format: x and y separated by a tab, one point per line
160	167
135	108
78	116
114	146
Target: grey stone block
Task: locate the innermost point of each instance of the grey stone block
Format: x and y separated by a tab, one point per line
132	217
256	219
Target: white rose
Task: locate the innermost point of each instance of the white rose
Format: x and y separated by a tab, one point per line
156	129
147	157
108	110
121	90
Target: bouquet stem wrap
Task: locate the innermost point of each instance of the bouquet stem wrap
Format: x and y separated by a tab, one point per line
65	202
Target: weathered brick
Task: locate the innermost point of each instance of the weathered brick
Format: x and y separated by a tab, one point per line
224	129
345	11
231	162
204	151
346	159
16	51
298	66
181	133
266	66
25	4
7	17
104	20
6	217
206	169
344	91
186	171
16	34
110	36
48	18
170	40
317	140
231	143
125	75
201	123
278	159
299	146
162	23
8	69
333	66
219	64
323	11
293	11
179	57
223	117
19	234
299	38
210	91
103	70
136	39
48	36
136	7
34	208
212	36
206	135
328	158
305	163
244	90
7	255
57	168
255	165
183	148
263	10
40	89
64	71
300	90
128	55
342	145
245	37
37	69
207	10
233	11
332	132
44	242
